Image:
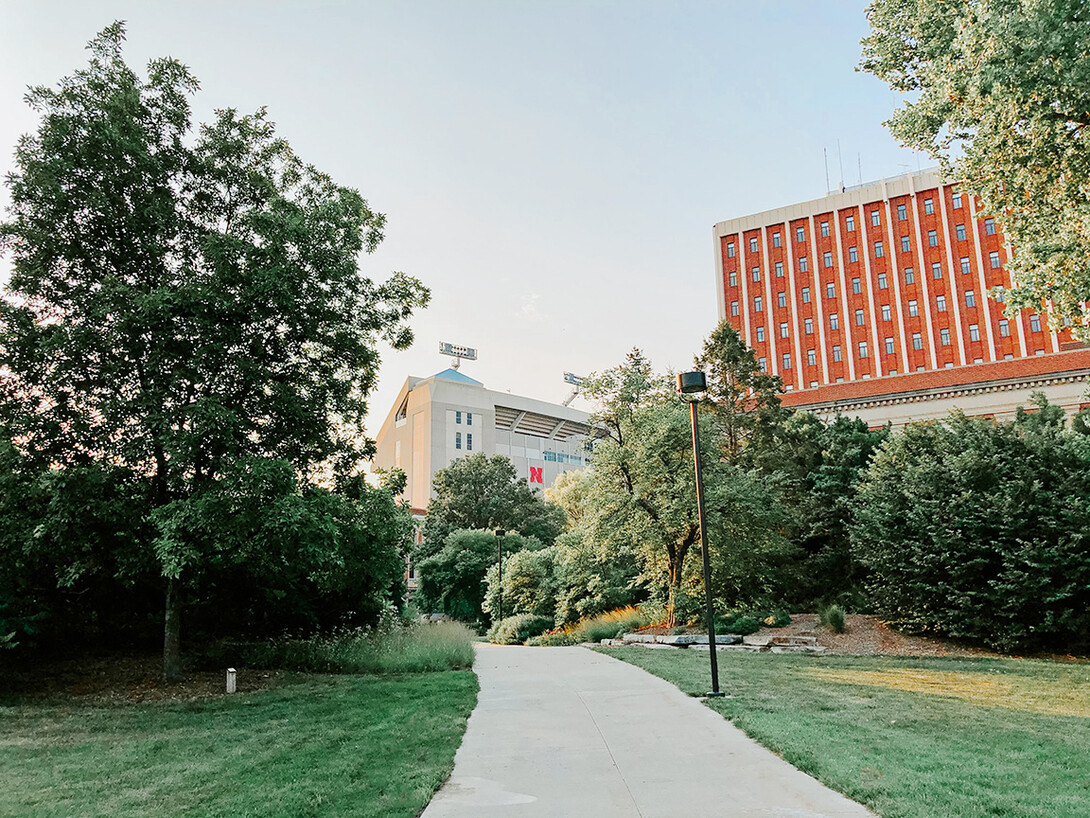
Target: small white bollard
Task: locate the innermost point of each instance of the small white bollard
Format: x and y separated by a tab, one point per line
231	680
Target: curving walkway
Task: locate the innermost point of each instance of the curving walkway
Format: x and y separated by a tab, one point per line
567	732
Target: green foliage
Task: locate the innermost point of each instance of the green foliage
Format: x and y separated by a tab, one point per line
529	583
739	623
514	630
998	91
182	307
977	530
832	618
610	625
484	493
641	504
552	639
413	648
452	580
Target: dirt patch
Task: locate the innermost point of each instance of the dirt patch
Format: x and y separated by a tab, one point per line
869	636
125	678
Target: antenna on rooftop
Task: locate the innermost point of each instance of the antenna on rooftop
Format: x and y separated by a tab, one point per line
825	151
576	382
457	353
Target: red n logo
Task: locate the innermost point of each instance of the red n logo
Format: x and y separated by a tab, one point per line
536	475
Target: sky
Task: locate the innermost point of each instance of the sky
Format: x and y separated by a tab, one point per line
551	169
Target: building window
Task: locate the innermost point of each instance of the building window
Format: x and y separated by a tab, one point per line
849	224
469	441
936	270
944	337
1035	323
874	219
776	239
730	249
940	303
811	357
757	303
974	332
1000	295
733	276
808	326
910	275
805	295
469	418
781	299
857	285
783	329
457	440
825	228
912	310
802	264
993	259
836	352
956	198
933	238
917	341
733	307
753	245
853	254
960	230
906	244
787	360
756	274
1004	328
929	206
763	364
760	334
882	283
828	259
970	298
862	349
965	264
886	314
830	290
779	269
989	226
889	346
834	322
879	251
800	235
902	213
859	318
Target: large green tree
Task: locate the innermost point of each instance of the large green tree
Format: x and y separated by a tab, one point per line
181	302
999	92
484	493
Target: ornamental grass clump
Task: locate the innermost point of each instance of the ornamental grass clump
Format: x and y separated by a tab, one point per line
833	618
515	630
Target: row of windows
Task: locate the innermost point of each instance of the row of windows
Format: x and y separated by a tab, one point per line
875	218
458	441
458	418
830	289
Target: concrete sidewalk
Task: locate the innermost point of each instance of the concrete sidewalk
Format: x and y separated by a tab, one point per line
567	732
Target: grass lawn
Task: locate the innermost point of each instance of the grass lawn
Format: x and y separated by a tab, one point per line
325	746
910	737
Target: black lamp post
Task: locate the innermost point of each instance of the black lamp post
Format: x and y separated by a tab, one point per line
691	383
500	534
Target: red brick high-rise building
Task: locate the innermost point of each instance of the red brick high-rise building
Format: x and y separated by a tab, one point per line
874	302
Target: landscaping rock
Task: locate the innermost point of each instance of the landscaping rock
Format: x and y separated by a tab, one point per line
793	640
680	639
720	639
756	641
797	649
640	638
736	647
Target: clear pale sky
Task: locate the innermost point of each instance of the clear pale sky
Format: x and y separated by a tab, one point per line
550	169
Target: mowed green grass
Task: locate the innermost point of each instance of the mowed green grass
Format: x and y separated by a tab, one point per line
910	738
326	746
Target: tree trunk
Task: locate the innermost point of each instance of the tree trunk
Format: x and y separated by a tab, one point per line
671	600
172	626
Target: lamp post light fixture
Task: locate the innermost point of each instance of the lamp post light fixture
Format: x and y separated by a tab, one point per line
500	534
690	384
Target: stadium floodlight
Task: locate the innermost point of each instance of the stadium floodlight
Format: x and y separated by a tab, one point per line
457	353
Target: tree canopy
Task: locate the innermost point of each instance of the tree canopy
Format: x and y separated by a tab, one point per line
182	303
999	92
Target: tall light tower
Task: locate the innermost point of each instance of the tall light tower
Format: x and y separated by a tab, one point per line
457	353
576	383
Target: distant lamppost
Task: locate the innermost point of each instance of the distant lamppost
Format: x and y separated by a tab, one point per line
689	384
500	534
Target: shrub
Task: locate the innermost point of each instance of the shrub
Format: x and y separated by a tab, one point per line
514	630
832	617
609	625
552	639
742	624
